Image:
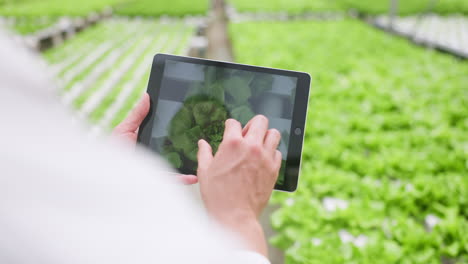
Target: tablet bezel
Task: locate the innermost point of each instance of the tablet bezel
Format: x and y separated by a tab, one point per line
293	160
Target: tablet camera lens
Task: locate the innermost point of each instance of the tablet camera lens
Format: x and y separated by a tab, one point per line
298	131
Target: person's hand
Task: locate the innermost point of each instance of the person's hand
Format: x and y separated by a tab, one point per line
128	131
237	182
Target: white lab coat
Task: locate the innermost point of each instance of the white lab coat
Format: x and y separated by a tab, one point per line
68	198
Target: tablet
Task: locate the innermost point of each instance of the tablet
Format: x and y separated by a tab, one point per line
191	98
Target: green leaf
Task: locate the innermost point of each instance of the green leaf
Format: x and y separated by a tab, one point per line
261	84
174	159
238	88
242	114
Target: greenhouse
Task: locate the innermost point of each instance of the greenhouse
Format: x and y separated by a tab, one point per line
384	170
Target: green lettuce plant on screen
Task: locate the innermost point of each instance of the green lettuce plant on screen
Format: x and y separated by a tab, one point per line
201	117
203	114
221	94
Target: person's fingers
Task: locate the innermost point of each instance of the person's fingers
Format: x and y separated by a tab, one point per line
187	179
246	127
278	159
257	129
272	139
205	155
138	114
232	129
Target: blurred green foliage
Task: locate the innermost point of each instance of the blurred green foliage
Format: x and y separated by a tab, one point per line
162	7
66	59
54	7
29	16
387	132
184	7
406	7
84	7
295	6
28	25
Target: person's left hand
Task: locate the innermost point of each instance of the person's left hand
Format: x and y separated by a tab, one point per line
128	130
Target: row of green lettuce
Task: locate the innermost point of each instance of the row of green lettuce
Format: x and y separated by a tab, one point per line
373	7
386	135
30	25
39	8
21	8
162	7
139	40
197	7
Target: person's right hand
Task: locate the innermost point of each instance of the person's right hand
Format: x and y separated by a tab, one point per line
237	182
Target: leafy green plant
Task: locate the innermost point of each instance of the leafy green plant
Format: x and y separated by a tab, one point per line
408	7
38	8
233	88
159	7
127	79
171	38
177	45
242	113
30	25
386	133
296	6
373	7
201	117
222	95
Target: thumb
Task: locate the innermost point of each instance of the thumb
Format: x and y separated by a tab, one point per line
205	156
134	119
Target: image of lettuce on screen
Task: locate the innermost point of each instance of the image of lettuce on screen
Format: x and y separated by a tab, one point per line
197	103
201	117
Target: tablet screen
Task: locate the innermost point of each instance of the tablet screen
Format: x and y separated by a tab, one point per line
194	100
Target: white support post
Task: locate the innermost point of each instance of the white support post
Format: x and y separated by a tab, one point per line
393	13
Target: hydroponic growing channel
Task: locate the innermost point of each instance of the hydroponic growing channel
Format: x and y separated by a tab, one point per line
104	71
371	7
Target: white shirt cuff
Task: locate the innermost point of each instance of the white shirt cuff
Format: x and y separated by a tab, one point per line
250	257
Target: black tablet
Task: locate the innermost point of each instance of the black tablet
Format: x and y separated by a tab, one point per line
191	98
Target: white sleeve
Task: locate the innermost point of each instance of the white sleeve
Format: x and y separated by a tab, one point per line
249	257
